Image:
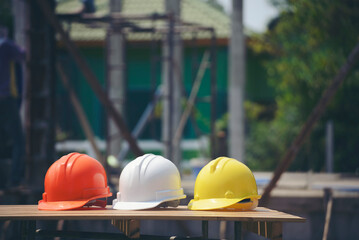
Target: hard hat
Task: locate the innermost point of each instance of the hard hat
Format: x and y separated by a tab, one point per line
147	182
73	181
225	183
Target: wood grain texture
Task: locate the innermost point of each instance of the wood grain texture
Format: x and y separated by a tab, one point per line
30	212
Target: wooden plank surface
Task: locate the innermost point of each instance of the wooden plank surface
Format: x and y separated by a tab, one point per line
30	212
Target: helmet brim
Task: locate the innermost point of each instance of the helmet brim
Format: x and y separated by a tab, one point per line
142	205
216	203
67	205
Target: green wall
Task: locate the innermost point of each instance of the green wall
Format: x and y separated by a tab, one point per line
140	86
67	120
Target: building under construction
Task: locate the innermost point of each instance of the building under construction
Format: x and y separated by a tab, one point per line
118	79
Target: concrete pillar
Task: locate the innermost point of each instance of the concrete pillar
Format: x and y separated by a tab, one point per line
172	110
236	85
115	79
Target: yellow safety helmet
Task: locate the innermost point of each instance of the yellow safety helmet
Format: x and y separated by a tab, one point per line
225	183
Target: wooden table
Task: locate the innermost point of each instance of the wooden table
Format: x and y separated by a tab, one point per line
263	221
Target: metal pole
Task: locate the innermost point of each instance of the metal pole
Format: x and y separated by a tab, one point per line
116	86
154	70
194	56
167	129
213	94
236	85
191	99
329	146
141	122
80	113
205	229
173	85
40	94
237	230
90	77
170	88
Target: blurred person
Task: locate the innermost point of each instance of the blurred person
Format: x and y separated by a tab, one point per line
10	123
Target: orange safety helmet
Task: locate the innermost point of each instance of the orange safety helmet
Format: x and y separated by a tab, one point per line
73	181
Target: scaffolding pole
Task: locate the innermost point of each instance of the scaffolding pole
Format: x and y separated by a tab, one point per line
168	98
191	99
172	64
90	77
85	125
116	86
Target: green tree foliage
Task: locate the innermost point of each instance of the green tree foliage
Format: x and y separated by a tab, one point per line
308	43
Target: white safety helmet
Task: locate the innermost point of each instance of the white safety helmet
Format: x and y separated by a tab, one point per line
147	182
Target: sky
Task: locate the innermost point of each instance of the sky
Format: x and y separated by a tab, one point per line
257	13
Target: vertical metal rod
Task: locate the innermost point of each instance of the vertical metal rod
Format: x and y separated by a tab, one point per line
213	93
153	60
237	230
193	61
329	146
90	77
51	86
222	229
80	113
170	85
194	67
116	77
108	134
194	56
205	229
236	84
191	99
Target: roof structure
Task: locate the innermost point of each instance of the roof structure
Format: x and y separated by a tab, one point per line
193	11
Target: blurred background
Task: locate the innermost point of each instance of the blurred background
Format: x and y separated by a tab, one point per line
190	80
